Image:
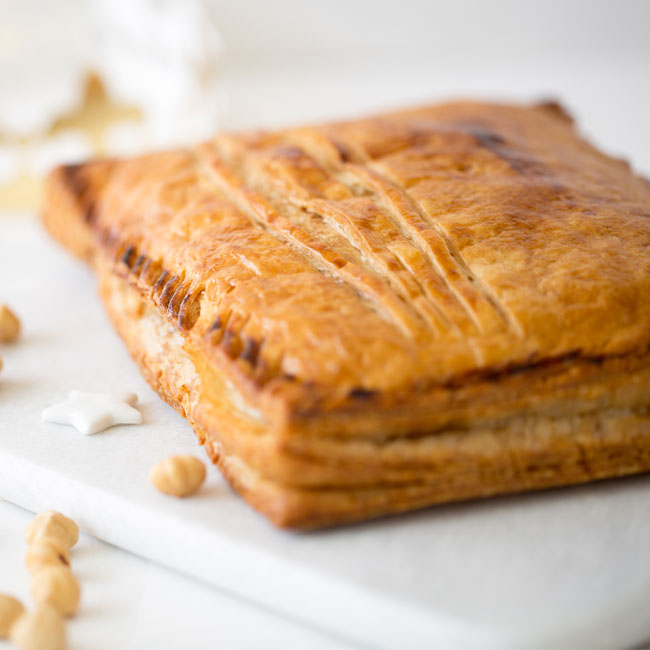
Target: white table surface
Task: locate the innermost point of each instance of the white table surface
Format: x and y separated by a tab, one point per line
490	565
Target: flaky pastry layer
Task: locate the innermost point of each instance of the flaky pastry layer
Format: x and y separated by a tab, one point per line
320	481
371	316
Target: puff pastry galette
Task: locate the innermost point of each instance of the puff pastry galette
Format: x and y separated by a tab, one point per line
373	316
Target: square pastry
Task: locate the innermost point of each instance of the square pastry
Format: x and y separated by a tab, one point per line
367	317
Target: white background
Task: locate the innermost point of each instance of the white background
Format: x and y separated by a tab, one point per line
288	61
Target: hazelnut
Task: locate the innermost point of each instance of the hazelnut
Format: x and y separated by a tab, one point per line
179	476
46	551
52	524
56	586
9	325
42	629
10	610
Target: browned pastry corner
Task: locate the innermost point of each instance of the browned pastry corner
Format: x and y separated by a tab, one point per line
368	317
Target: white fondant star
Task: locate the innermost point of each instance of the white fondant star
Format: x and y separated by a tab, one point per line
93	412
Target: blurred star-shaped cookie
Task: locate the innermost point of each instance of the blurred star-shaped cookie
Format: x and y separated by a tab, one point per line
93	412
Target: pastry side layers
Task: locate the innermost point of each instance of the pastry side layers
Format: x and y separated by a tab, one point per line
420	307
325	482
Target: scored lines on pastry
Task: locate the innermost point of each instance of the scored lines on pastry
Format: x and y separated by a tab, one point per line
93	412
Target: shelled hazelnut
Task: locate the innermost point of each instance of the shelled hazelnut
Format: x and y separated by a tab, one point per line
179	476
10	610
9	325
46	551
56	586
40	629
54	525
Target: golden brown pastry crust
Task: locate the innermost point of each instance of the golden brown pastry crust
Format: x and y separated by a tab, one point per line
372	316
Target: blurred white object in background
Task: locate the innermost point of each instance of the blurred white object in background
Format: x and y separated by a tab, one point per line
44	51
161	56
163	71
100	77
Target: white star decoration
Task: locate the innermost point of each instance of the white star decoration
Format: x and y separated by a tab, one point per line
93	412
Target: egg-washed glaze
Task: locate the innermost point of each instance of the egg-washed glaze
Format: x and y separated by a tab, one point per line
380	314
